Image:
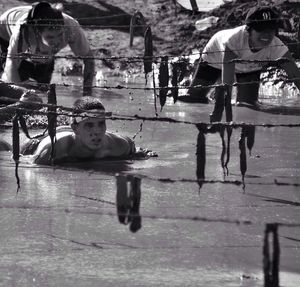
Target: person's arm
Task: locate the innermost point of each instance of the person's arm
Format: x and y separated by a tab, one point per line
88	73
123	146
81	48
11	73
116	146
228	69
288	64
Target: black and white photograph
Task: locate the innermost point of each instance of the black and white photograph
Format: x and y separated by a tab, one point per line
150	143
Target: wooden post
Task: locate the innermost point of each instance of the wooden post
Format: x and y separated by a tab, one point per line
194	5
52	119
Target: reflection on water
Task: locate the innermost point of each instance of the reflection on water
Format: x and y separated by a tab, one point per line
247	138
271	261
128	201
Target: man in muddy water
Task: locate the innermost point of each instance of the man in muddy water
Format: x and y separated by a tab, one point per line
86	139
241	53
30	36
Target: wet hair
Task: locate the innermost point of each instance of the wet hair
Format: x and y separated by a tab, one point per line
42	15
88	103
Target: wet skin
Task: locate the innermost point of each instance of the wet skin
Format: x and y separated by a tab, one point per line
90	132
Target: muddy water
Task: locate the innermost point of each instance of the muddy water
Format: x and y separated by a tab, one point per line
194	224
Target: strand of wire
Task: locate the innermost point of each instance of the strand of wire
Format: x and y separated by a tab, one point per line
16	22
113	116
195	218
39	56
120	87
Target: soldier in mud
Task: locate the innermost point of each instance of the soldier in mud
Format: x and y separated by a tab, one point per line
241	53
30	36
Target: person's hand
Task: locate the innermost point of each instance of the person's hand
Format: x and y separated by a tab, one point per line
144	153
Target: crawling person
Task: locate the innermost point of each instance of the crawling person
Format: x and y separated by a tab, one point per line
256	45
31	36
86	138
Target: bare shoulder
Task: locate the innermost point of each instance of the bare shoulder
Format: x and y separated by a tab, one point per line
63	140
118	145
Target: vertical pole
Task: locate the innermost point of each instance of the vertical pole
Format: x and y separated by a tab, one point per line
52	119
271	263
201	155
194	5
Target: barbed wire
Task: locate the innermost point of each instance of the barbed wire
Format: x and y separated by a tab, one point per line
35	56
186	218
241	21
113	116
122	87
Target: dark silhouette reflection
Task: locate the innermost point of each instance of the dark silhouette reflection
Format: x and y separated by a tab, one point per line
247	139
106	165
243	157
250	135
201	155
128	201
271	261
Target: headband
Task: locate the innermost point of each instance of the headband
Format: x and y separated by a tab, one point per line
94	113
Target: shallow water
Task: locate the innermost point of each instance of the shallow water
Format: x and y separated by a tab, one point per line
62	228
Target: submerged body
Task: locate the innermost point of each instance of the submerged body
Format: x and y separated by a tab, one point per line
70	148
85	139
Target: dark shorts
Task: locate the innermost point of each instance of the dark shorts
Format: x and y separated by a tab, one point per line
42	73
247	88
211	74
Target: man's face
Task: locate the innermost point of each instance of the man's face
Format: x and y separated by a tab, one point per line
90	132
261	39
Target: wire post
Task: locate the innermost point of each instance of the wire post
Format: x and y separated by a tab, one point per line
175	7
271	262
137	17
16	146
194	5
52	119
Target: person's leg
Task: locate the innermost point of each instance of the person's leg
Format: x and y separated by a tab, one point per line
204	75
247	90
217	112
